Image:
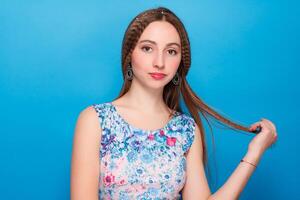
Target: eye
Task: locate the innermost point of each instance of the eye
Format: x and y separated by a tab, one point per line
172	50
146	48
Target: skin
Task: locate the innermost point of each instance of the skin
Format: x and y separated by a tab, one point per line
143	107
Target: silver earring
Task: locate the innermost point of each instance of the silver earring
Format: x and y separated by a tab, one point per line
129	72
176	79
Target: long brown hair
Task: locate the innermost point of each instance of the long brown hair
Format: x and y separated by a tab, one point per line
172	93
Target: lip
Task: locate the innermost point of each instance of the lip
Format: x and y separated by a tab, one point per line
157	76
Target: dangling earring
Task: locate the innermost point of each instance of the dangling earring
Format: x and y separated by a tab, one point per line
176	79
129	72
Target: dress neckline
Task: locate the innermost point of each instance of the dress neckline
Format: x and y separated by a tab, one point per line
176	113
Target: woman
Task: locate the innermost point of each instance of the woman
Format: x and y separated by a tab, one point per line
149	148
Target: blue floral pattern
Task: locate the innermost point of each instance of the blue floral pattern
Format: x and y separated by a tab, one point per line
142	164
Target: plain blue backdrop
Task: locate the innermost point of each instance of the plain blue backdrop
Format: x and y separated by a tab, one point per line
58	57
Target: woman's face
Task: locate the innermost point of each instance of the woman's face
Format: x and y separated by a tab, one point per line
158	50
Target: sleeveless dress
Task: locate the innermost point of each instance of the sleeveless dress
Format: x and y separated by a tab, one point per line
142	164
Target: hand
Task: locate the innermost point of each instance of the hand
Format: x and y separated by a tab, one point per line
265	138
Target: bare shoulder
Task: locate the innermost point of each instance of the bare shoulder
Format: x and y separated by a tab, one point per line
88	117
85	155
87	130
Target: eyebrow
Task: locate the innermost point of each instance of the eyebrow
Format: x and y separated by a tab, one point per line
153	42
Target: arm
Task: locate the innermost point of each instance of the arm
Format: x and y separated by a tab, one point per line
196	186
85	156
238	179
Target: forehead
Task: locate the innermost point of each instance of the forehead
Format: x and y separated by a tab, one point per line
161	32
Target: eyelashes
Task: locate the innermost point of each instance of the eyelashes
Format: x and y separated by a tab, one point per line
145	47
171	51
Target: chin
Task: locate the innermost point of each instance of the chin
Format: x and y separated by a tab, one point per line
157	85
153	84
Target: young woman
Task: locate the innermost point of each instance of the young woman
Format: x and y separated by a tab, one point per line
142	145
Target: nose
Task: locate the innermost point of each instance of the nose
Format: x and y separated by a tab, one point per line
158	61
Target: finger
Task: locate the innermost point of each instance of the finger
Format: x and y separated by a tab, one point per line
269	123
259	127
255	125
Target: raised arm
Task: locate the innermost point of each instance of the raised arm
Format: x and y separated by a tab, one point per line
85	156
196	187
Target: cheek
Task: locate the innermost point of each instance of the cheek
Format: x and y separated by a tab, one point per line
140	60
174	63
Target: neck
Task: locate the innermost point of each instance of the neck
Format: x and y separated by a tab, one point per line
144	98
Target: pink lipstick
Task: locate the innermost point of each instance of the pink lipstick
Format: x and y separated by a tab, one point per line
157	76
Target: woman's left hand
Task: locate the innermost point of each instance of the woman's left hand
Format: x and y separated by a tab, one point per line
265	138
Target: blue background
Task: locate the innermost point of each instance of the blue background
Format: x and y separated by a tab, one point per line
58	57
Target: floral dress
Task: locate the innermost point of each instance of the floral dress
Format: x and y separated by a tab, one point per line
142	164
